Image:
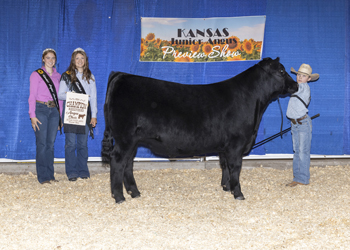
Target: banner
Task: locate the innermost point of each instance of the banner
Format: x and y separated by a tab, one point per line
76	109
202	39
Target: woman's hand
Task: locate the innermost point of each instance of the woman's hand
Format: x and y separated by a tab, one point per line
61	126
35	122
93	122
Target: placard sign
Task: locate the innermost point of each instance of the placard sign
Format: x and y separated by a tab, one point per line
187	40
76	109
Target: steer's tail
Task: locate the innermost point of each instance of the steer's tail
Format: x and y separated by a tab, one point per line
107	142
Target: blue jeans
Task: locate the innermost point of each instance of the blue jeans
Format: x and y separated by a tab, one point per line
301	135
76	153
45	140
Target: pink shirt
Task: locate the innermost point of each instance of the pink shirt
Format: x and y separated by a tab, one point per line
39	91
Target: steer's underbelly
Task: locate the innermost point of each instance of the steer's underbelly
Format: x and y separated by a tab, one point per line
183	146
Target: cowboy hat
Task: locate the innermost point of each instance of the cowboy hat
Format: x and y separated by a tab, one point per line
307	70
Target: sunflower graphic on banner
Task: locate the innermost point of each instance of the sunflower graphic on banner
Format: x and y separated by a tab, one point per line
202	39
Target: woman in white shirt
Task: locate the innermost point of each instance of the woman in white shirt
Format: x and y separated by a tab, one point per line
78	78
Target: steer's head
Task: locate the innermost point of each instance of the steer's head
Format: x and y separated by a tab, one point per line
283	83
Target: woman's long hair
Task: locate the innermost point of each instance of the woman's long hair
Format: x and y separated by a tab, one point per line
72	67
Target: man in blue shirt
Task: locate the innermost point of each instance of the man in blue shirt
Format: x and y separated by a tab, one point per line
297	112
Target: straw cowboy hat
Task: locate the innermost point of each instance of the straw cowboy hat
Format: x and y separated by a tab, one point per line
306	69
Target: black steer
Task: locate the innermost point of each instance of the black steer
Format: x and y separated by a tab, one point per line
177	120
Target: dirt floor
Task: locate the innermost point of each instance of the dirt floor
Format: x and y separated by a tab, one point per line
178	209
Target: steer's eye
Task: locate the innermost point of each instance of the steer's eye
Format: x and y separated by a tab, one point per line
282	71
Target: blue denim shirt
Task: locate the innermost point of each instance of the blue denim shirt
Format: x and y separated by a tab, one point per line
296	109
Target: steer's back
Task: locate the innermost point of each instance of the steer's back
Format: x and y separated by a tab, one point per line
176	119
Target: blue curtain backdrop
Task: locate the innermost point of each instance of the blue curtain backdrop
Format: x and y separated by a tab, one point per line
312	32
309	31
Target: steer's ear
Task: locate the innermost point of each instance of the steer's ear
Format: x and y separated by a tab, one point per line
277	59
111	75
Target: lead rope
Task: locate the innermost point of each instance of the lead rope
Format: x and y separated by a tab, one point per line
281	115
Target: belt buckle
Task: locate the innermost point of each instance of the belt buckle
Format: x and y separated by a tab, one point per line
293	121
51	104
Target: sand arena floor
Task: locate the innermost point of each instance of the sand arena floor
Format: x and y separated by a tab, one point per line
178	209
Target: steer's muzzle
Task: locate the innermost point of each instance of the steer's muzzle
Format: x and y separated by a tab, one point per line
291	86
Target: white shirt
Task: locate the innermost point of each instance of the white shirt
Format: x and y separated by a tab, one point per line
89	87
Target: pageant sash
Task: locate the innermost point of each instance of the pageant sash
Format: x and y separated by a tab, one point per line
77	87
52	90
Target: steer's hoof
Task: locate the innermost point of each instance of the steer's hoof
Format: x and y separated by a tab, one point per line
119	201
137	195
241	198
134	194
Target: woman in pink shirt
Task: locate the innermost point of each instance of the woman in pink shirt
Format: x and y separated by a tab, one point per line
45	112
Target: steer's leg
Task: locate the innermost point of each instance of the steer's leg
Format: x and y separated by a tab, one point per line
116	174
234	163
129	180
225	179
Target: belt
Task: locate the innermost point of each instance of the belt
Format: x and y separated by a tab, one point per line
49	104
295	121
